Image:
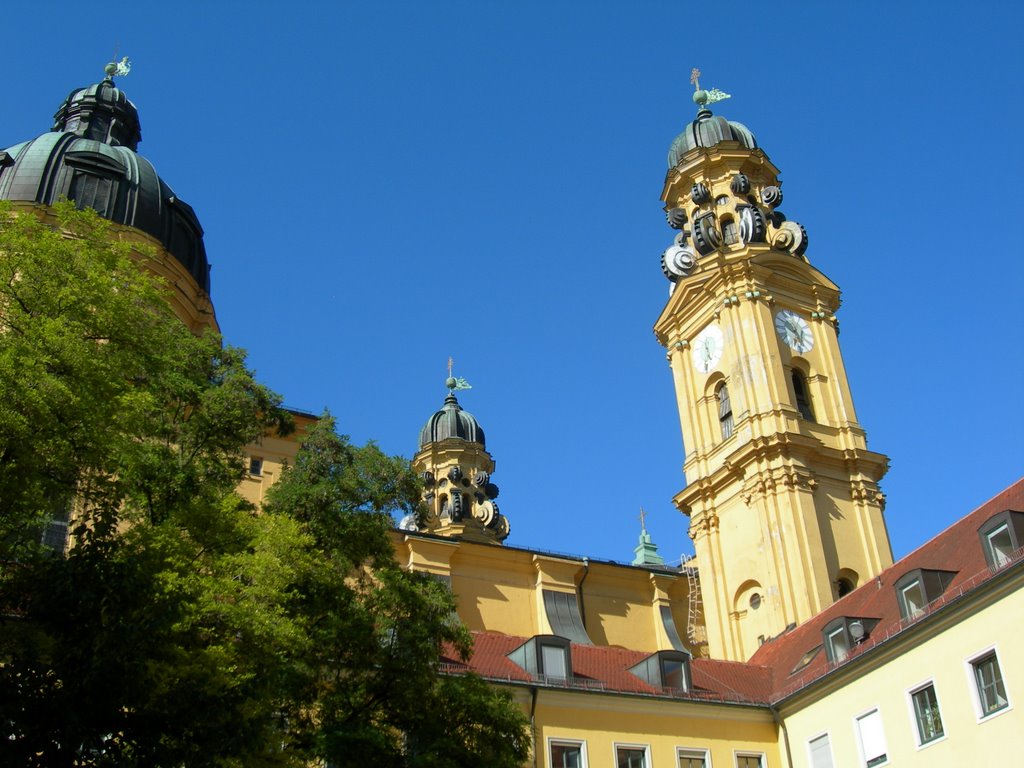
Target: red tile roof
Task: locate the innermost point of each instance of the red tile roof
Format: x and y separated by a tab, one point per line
602	668
768	676
958	548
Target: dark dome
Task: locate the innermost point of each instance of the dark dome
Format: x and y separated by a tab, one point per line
89	157
706	131
451	421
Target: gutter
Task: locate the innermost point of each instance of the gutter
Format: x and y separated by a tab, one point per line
579	593
785	734
533	721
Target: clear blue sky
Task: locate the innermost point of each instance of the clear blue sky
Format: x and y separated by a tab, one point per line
387	184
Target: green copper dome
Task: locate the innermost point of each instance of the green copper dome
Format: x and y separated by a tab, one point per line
707	131
89	157
451	421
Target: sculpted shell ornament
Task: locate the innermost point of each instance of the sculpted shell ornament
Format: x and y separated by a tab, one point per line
706	237
428	479
699	193
791	237
455	474
771	196
752	225
678	260
676	218
740	184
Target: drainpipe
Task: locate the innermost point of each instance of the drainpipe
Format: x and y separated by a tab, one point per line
785	734
533	722
579	592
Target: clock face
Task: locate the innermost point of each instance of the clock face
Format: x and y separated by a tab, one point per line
707	348
794	330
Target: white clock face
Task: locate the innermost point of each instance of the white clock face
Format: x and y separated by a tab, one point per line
794	330
707	348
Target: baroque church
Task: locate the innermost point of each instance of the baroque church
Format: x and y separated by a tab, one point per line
792	639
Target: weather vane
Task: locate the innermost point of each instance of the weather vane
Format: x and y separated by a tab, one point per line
118	68
702	97
453	383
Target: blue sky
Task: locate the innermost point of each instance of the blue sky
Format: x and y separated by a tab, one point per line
385	185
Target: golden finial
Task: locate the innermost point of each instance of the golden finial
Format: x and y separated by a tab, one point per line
695	78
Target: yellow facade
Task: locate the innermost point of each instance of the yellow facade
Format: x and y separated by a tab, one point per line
500	589
782	507
940	655
601	722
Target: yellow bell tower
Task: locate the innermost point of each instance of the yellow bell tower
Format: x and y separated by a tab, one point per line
782	493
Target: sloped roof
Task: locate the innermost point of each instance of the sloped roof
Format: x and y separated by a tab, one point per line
958	549
769	677
603	668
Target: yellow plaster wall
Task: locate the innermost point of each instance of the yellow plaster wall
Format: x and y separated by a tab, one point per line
938	655
602	721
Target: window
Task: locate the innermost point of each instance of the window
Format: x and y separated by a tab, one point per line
567	754
692	758
915	590
1001	536
729	233
54	535
999	545
871	738
803	396
665	669
820	752
553	662
724	411
838	643
988	684
544	657
630	757
911	599
842	634
749	760
926	714
806	659
255	466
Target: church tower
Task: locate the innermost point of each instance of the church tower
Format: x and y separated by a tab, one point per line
782	493
456	469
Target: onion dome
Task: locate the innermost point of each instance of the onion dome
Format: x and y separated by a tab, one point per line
89	157
451	421
707	131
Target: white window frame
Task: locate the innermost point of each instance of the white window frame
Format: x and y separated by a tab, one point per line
699	752
810	754
912	711
553	740
972	683
747	753
876	710
626	745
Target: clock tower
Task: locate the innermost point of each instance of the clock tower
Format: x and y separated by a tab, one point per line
782	494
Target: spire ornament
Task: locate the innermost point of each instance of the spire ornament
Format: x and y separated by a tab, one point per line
455	383
702	98
117	68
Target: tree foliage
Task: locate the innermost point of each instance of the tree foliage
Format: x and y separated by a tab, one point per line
183	628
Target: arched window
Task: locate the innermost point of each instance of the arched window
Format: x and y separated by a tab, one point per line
729	233
724	410
803	396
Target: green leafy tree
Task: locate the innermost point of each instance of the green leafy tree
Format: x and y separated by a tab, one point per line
182	628
369	674
133	649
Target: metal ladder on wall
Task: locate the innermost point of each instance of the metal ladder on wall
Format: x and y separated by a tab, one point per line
694	607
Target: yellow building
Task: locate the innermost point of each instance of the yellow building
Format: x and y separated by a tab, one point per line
792	639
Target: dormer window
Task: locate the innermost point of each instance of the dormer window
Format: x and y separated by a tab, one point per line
842	634
1001	536
544	657
669	670
915	590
